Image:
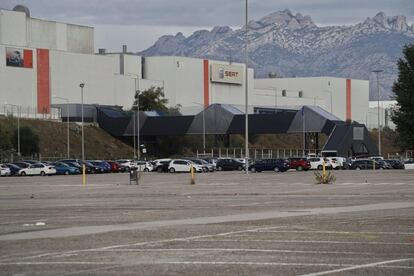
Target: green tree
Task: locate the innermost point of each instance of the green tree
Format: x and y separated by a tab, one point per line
5	140
151	99
29	141
403	114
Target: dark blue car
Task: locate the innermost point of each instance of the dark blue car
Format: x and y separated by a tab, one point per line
277	165
63	168
14	169
105	166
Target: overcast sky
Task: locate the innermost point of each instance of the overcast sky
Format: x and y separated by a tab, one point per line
138	23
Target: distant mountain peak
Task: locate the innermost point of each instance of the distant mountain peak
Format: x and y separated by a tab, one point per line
291	44
286	18
396	23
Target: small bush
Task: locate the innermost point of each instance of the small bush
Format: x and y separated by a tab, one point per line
324	179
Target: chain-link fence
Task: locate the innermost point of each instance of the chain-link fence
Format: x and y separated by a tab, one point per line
265	153
28	112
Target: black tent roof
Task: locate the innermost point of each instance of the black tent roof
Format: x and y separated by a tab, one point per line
226	119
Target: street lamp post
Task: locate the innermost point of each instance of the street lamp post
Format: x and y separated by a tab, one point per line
67	122
133	127
246	55
18	108
82	85
204	127
379	119
136	146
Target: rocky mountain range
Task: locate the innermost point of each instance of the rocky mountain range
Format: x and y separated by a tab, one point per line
293	45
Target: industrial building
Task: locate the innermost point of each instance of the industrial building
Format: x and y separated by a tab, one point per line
42	64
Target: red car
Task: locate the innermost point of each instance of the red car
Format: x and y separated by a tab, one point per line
116	167
299	164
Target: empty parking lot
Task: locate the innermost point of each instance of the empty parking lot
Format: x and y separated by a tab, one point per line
228	223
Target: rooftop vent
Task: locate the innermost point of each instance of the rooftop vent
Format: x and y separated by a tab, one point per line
21	8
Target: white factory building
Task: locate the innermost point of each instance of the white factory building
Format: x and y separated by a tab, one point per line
43	62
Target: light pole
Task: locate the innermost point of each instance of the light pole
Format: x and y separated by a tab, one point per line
67	121
204	127
133	127
379	122
82	85
246	56
137	106
18	108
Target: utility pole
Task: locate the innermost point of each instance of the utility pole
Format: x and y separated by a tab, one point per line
379	116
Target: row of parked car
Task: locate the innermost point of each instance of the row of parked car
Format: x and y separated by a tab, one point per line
74	166
66	167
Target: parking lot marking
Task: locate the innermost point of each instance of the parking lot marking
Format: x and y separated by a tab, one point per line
243	250
271	214
304	241
336	232
147	242
357	267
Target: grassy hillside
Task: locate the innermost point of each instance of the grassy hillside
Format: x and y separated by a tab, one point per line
100	145
52	140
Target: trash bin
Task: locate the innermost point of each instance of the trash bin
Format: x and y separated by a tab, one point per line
133	176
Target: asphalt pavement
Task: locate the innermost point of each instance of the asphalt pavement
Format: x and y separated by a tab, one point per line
228	223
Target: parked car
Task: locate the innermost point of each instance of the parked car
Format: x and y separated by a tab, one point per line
229	164
210	160
396	164
144	166
32	161
409	164
317	163
207	167
21	164
376	158
37	169
129	164
116	167
364	164
92	168
161	165
14	169
384	165
63	168
277	165
105	166
77	165
181	165
336	162
299	164
4	170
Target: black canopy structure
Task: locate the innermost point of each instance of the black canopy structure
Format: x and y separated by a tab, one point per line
345	138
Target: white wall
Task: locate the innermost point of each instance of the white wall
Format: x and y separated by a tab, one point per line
18	30
68	70
360	100
18	85
13	28
133	65
316	91
184	82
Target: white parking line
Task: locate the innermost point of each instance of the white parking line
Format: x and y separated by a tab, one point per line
243	250
304	241
346	267
335	232
357	267
147	242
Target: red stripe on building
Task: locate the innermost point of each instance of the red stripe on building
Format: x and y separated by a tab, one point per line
348	100
206	84
27	58
43	81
